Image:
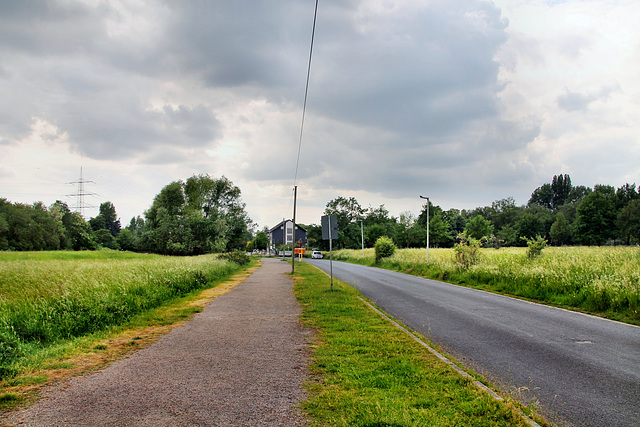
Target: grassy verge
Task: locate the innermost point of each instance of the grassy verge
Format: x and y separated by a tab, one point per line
600	280
29	364
366	372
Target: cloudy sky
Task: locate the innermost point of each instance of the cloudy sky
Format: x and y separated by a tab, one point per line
465	101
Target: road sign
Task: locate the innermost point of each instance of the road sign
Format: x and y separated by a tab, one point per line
329	227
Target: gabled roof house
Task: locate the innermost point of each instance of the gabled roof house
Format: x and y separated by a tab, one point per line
284	232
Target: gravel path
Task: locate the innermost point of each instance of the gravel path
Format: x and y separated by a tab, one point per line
240	362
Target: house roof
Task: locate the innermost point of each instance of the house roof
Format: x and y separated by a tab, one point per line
278	225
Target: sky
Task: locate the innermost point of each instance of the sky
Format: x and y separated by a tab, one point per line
463	101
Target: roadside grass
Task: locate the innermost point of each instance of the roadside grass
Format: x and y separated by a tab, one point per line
366	372
35	363
599	280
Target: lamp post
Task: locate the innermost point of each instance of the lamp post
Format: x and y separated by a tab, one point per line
427	199
362	234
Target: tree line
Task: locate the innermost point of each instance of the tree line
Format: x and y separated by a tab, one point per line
196	216
558	212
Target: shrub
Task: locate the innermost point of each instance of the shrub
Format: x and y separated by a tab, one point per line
467	250
239	257
535	246
384	248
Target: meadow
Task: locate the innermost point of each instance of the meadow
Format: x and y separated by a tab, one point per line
599	280
49	297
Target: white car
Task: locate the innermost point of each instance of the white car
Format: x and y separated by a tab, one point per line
316	255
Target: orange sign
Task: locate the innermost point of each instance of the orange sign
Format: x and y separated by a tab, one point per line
299	251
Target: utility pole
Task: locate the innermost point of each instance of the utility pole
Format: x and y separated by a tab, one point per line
284	234
293	236
81	193
422	197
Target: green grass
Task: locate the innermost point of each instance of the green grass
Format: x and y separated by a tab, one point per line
51	297
366	372
599	280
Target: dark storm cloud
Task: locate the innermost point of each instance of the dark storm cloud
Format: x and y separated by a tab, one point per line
239	43
64	67
23	26
411	90
429	70
395	85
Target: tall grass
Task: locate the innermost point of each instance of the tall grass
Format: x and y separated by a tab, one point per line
601	280
52	296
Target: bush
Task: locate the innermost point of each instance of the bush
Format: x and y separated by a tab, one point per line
467	250
384	248
535	246
239	257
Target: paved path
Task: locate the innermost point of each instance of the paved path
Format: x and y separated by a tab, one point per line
583	370
240	362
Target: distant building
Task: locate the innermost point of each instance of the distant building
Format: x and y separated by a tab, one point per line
284	231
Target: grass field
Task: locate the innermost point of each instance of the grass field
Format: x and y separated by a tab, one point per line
599	280
49	297
366	372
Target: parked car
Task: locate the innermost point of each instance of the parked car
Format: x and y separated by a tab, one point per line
317	255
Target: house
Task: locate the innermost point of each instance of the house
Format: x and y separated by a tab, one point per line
284	232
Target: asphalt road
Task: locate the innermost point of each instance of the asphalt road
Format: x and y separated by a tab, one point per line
581	370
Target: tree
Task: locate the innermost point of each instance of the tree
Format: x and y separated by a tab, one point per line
261	241
552	196
529	225
433	211
542	196
504	213
456	221
349	213
595	217
577	194
561	187
201	215
439	234
126	240
507	236
29	227
104	238
405	229
78	232
560	232
111	221
479	228
4	231
171	198
314	237
629	221
136	224
625	194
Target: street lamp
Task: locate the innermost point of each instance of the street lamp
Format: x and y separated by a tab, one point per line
427	199
362	235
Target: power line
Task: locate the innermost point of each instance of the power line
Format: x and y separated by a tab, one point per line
306	92
80	206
